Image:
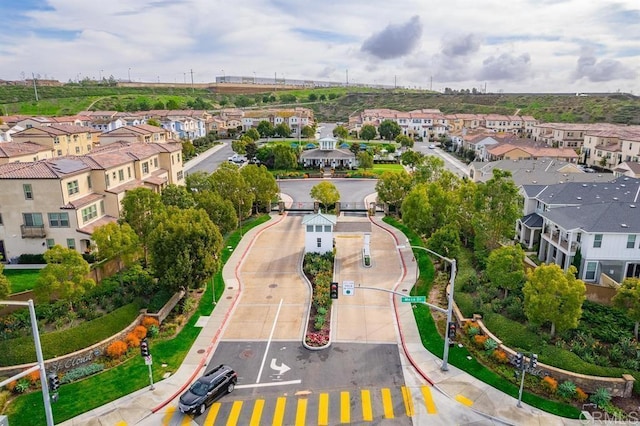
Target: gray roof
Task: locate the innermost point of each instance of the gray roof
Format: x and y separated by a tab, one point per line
617	217
319	219
623	189
319	154
533	220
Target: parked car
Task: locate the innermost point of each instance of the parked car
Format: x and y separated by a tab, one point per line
207	389
235	158
432	146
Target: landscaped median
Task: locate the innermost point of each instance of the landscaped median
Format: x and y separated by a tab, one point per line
79	397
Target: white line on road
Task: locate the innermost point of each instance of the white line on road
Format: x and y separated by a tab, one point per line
273	328
264	385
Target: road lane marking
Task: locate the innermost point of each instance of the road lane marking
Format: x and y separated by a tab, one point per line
168	414
234	415
345	408
121	423
278	414
264	385
387	403
323	410
213	413
408	401
464	400
266	349
257	412
428	400
367	412
301	412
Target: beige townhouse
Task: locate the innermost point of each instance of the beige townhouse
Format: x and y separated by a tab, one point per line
63	139
22	152
142	133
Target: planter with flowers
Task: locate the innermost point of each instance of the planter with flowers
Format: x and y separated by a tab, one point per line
318	269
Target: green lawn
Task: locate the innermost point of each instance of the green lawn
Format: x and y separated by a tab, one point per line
22	279
79	397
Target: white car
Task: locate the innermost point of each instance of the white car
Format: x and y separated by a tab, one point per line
432	146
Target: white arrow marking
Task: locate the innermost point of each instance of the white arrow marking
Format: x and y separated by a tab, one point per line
282	368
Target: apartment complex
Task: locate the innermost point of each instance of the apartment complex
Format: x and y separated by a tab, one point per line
62	139
61	200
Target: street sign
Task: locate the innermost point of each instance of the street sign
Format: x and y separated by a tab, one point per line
348	288
414	299
148	360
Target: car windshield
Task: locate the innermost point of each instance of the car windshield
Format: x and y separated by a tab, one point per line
199	388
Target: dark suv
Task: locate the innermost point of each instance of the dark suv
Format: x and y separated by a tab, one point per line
207	389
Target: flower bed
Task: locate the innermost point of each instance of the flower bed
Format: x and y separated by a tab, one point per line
318	268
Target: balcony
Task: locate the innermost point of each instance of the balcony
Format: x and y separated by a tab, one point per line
561	242
33	231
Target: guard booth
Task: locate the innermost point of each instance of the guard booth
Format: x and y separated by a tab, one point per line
318	235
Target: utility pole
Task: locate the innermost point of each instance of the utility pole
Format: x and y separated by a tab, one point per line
395	81
347	72
192	89
35	88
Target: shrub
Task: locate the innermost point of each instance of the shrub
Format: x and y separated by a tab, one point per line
319	323
567	389
322	310
132	340
154	330
600	397
22	386
550	384
116	349
4	397
473	331
140	332
581	396
500	356
480	340
80	372
149	321
11	386
34	377
490	345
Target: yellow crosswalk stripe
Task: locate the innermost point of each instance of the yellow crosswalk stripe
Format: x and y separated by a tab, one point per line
213	413
428	400
464	400
168	414
301	412
257	412
408	401
278	415
387	403
121	423
345	408
323	410
367	412
234	415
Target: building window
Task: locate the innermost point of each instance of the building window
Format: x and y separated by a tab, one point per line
129	172
59	220
28	191
72	187
597	241
89	213
102	207
590	274
145	167
59	153
155	163
180	175
106	179
50	243
1	223
89	181
121	175
88	148
71	243
327	228
631	241
77	150
309	228
318	228
178	158
32	219
319	242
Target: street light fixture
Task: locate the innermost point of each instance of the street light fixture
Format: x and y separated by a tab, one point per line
129	75
445	354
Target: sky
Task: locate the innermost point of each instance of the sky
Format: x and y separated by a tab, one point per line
515	46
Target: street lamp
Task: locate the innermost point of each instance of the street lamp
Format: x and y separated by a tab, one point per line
254	77
445	354
129	75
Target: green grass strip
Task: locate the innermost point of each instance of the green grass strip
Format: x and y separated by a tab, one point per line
22	279
132	375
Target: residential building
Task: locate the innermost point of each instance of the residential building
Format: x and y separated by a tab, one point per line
61	138
328	156
627	169
593	225
609	147
62	200
318	236
23	152
143	133
513	151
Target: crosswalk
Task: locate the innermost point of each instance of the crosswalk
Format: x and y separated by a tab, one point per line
379	405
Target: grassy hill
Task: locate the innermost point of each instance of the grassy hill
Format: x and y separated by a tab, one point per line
338	105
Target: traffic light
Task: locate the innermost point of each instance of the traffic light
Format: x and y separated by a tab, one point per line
54	382
144	347
534	361
452	330
333	290
519	360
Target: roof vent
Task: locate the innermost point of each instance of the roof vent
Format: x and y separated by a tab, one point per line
528	171
534	181
578	198
615	198
624	225
584	185
633	206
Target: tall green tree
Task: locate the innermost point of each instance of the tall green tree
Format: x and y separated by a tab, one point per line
5	284
198	182
430	169
251	149
365	160
185	249
368	132
262	185
265	128
326	193
221	212
628	300
505	268
140	207
117	241
340	132
446	241
393	187
389	129
412	158
308	132
253	134
555	296
284	157
177	195
355	148
283	130
64	277
405	141
230	184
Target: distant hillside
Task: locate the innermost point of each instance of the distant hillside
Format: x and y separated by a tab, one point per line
330	104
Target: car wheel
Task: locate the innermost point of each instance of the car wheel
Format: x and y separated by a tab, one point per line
231	387
201	409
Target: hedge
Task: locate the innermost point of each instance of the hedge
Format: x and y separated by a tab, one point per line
57	343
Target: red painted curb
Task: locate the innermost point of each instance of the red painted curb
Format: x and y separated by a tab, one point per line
224	321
